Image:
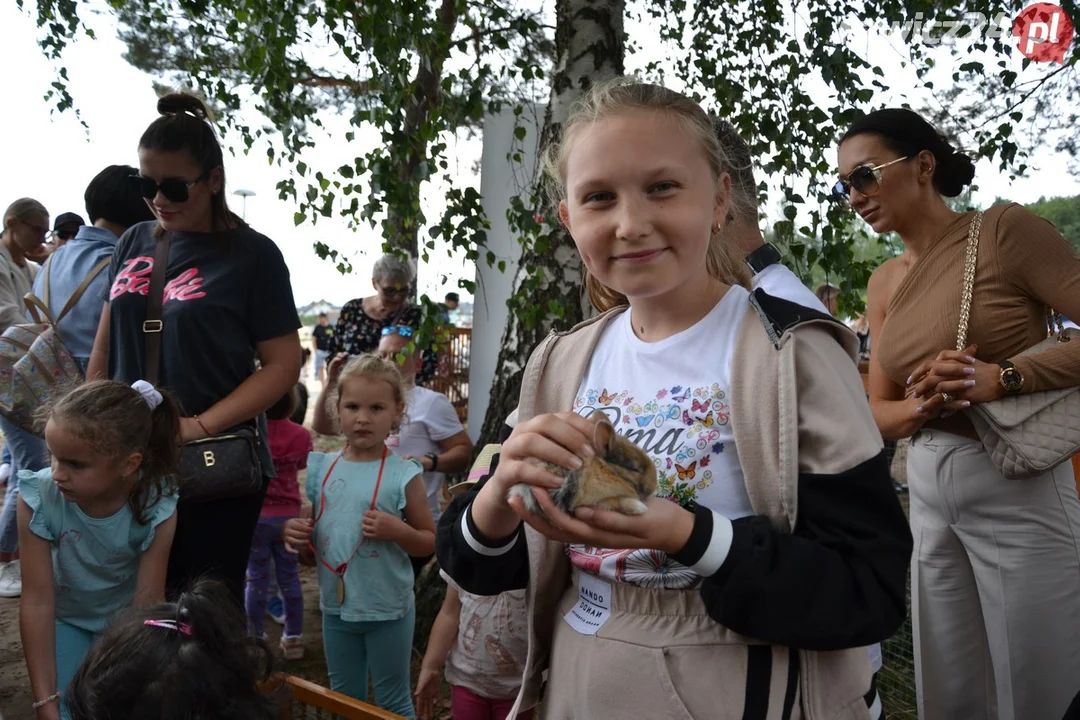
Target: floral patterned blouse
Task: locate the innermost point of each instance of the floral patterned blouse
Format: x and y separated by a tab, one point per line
357	332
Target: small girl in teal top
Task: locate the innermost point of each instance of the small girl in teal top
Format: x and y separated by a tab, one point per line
96	527
354	532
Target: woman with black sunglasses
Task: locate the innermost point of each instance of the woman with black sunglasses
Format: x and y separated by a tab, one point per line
227	302
995	578
362	320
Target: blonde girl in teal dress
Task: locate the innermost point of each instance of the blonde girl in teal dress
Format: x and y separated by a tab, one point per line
359	541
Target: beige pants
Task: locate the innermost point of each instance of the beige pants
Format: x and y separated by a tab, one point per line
995	585
661	657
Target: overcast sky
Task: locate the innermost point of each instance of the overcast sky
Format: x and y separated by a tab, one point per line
51	157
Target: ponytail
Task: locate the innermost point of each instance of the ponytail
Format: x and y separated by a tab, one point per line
160	457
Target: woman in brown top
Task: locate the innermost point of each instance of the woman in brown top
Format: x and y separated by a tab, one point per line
995	579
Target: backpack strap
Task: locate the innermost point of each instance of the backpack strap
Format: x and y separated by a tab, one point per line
45	288
39	311
77	295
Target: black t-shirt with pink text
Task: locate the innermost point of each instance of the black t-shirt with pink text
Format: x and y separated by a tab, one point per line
224	294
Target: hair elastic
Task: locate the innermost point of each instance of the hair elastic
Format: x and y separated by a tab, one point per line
179	627
149	393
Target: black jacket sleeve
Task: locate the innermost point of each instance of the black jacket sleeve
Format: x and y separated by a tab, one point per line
837	581
476	572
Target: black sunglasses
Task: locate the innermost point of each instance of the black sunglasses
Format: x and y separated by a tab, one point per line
174	189
64	235
865	178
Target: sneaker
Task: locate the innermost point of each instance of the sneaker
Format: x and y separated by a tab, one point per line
292	647
10	579
5	473
275	609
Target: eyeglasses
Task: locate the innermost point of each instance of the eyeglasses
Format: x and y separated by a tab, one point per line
38	229
865	178
403	330
64	235
174	189
394	291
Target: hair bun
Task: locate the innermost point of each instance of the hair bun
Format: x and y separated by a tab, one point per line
954	172
174	103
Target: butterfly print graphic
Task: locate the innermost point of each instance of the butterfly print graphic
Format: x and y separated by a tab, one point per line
686	473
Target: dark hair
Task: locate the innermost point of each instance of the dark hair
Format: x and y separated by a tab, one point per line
300	413
322	315
906	133
452	297
200	663
115	419
740	166
184	126
113	195
285	406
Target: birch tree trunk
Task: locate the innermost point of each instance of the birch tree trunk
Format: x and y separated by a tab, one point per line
589	46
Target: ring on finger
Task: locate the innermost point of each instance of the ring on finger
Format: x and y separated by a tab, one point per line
947	398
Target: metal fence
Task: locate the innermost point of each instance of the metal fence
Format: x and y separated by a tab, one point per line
896	682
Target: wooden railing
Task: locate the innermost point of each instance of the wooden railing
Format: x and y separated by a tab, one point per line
304	700
452	376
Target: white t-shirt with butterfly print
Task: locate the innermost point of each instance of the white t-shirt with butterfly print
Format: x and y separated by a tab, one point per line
672	399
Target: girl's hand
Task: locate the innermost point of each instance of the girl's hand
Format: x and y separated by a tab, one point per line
297	534
564	439
190	430
379	525
664	526
427	689
333	372
561	438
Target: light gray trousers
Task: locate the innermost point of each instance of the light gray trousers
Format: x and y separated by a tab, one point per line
995	585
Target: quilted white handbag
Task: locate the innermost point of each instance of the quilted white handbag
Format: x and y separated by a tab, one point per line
1031	433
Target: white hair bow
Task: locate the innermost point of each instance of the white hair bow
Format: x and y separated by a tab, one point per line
149	393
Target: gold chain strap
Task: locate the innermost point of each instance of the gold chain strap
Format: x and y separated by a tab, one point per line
969	280
970	261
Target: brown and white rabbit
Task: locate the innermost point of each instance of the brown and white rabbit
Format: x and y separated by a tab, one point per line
620	476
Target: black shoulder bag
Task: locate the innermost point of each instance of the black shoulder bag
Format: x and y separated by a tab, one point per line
220	466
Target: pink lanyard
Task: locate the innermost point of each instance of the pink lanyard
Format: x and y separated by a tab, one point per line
340	569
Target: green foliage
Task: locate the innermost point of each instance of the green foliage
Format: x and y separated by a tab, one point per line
1064	212
419	70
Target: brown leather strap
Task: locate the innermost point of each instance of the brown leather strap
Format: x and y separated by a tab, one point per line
154	298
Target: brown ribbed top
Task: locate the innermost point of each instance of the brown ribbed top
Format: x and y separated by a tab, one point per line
1024	266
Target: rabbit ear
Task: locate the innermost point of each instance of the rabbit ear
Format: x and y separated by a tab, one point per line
603	433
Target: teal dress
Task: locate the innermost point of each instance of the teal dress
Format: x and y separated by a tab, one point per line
369	626
379	579
95	563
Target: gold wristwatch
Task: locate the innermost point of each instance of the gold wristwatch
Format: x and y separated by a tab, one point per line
1010	378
